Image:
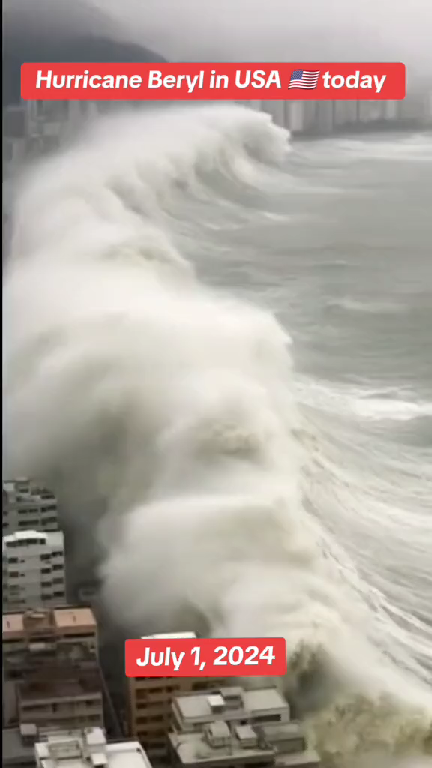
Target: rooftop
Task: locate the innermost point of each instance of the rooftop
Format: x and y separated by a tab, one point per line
71	618
79	749
193	748
58	621
283	745
231	704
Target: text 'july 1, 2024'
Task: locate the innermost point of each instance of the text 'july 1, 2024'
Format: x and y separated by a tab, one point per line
206	657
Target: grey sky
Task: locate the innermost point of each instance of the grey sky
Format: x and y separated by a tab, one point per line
259	29
281	29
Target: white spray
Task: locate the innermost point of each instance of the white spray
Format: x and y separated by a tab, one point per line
164	416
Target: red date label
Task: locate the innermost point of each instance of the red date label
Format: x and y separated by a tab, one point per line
190	657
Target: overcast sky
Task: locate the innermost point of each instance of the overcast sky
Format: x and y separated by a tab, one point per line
281	29
256	29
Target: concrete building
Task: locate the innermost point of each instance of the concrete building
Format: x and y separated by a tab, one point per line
320	118
390	110
71	697
30	746
150	700
87	747
234	728
345	114
45	644
15	132
55	630
33	570
28	505
305	117
32	128
231	705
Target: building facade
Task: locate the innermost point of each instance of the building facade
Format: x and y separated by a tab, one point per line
33	570
45	645
150	705
71	697
28	505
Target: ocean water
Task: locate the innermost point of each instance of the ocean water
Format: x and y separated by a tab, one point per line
217	349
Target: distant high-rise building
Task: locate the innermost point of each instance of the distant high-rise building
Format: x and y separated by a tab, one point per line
15	121
344	114
33	570
150	705
369	111
390	110
28	505
320	117
294	116
33	128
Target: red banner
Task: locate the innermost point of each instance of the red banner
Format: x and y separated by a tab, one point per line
240	657
213	82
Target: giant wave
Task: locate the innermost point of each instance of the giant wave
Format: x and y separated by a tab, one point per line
164	413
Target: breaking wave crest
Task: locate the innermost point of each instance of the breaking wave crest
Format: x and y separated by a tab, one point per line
165	416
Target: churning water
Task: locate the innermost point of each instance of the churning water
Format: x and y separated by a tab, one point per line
217	350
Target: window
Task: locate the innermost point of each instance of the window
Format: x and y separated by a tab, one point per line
266	719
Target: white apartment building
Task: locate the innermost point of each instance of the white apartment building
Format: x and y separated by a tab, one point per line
81	749
33	570
28	505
